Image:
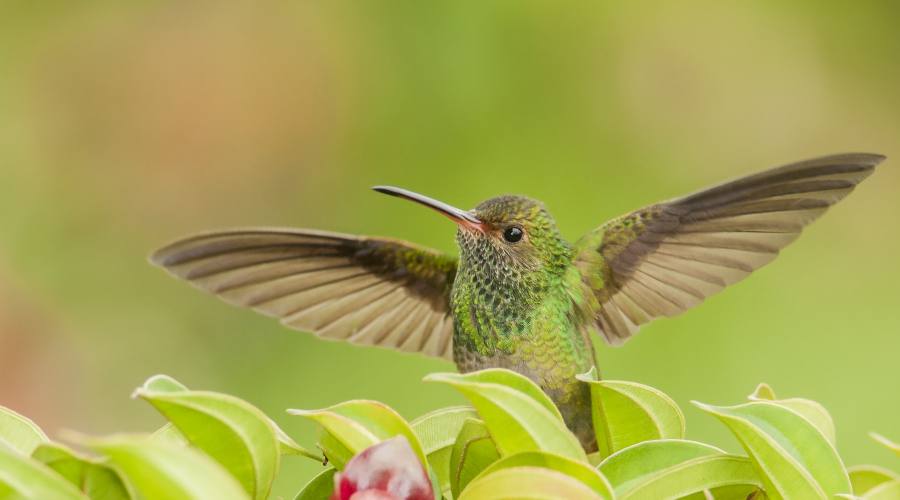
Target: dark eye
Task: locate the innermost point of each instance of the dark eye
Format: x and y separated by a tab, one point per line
513	234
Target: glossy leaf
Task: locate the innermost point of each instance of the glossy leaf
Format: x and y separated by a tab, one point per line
887	443
24	478
737	492
815	413
165	471
319	487
353	426
812	410
168	433
885	491
626	413
437	431
230	430
162	383
572	468
534	483
792	456
515	381
91	477
865	477
167	384
673	469
287	445
473	451
19	432
517	420
762	392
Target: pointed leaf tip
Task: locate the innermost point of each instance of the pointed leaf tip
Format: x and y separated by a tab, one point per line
159	383
355	425
762	392
793	457
882	440
233	432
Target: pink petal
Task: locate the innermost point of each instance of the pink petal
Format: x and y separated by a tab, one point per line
387	470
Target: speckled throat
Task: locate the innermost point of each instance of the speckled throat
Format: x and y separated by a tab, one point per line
523	320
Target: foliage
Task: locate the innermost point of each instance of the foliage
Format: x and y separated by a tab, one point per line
511	443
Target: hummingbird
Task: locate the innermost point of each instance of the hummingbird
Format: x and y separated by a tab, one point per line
519	296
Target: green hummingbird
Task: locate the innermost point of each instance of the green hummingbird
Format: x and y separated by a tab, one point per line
519	296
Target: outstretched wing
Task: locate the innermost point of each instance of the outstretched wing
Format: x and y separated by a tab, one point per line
364	290
666	258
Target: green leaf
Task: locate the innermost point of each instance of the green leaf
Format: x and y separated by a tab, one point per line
792	456
24	478
737	492
168	433
319	487
355	425
437	431
287	445
884	491
472	452
626	413
336	453
96	480
517	420
886	442
865	477
162	383
19	432
533	483
578	470
165	471
762	392
167	384
513	380
674	468
233	432
813	411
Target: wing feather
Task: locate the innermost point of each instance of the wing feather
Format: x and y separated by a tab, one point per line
370	291
666	258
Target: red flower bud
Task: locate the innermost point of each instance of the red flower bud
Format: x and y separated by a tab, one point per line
389	470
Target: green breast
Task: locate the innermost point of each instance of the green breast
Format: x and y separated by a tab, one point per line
536	331
544	340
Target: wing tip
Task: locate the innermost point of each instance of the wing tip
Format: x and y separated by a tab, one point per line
866	161
159	257
869	159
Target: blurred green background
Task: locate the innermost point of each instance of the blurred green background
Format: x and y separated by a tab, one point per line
126	124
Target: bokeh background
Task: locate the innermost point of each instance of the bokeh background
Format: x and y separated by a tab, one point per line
126	124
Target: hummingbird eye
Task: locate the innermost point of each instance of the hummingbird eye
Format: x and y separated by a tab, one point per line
513	234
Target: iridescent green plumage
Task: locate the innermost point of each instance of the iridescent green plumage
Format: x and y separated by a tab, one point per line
519	296
519	306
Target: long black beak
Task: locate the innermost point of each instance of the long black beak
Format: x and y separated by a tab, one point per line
461	217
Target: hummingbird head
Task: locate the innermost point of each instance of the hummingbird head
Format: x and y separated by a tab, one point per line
509	236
